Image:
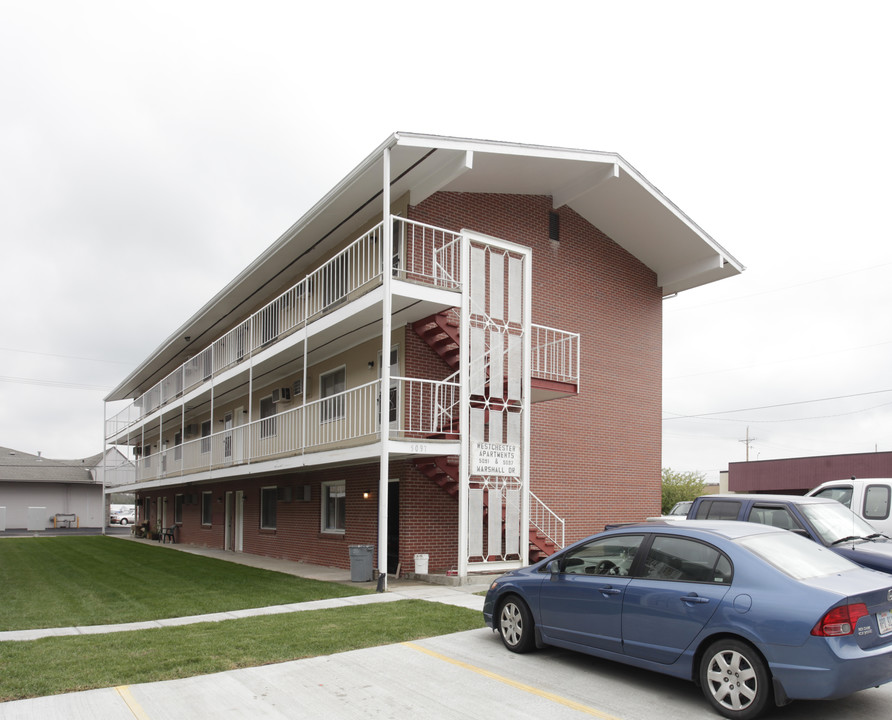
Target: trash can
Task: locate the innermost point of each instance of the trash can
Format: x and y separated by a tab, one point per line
361	562
421	563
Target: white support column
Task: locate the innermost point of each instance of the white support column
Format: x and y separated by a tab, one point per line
464	365
384	387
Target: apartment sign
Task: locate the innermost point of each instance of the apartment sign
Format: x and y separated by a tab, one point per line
495	459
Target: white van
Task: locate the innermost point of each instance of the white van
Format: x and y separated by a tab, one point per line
871	498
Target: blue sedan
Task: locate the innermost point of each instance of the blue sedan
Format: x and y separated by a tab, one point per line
750	613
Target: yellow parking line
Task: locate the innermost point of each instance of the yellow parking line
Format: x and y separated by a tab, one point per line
520	686
135	707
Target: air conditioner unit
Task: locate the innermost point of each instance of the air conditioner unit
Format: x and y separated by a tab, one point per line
281	395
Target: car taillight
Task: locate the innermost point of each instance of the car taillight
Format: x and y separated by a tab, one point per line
840	620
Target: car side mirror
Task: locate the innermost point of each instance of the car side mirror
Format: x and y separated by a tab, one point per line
553	567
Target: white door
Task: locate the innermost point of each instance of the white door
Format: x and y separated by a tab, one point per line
238	525
238	435
227	438
393	399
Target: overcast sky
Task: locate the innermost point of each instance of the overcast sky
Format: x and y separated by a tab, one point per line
148	153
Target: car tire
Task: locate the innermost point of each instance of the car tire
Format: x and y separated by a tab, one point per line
124	521
735	680
515	625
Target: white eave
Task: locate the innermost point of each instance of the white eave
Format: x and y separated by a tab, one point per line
601	187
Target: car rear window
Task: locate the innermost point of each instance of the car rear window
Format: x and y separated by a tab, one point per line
794	555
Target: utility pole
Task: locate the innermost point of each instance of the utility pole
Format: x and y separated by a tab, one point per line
748	440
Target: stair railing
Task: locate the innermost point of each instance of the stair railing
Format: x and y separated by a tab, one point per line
545	521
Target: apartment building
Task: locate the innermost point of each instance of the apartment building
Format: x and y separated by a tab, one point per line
455	355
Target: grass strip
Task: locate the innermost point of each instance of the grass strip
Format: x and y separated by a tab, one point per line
57	665
99	580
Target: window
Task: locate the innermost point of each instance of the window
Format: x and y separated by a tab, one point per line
608	556
207	506
334	516
718	510
205	437
681	559
876	502
268	508
776	516
178	509
267	417
840	494
331	385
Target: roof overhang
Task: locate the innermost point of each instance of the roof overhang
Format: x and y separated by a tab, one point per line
601	187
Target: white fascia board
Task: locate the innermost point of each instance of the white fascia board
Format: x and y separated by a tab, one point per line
439	142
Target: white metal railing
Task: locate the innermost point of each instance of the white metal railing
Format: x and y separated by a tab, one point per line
422	253
425	408
555	354
429	408
545	521
425	253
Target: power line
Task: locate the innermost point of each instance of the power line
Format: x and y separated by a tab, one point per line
779	405
53	383
65	357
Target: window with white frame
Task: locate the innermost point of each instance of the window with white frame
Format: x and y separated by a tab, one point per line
331	386
334	514
268	508
207	507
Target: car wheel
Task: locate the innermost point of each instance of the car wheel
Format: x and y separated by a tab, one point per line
516	625
123	521
734	679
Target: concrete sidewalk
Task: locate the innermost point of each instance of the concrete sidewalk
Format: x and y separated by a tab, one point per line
398	589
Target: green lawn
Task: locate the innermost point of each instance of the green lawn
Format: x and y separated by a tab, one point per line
56	665
64	581
57	582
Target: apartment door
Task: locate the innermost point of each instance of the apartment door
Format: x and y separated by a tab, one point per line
163	512
238	443
393	526
393	399
227	438
234	527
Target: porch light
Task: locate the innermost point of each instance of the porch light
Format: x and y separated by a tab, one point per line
366	495
371	364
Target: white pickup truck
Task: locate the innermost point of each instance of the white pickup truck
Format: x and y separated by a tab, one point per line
871	498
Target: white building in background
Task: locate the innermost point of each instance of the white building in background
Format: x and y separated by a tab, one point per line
37	493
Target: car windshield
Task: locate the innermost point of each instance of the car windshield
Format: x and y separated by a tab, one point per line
834	522
794	555
681	508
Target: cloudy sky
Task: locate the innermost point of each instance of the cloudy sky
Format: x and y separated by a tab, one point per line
149	152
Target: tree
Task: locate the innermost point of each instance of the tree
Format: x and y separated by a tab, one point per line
678	486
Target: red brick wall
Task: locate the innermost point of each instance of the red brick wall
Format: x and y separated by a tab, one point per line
428	517
595	458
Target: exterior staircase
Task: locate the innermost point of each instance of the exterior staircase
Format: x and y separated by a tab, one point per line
440	332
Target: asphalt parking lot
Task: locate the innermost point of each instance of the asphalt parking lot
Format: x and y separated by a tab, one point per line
464	675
